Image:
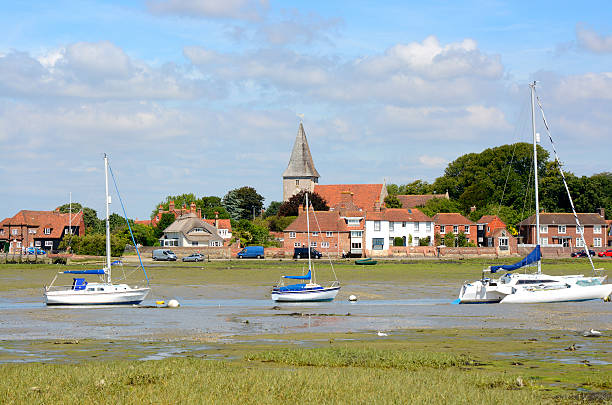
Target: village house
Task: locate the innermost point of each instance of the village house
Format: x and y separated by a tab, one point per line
454	223
41	229
486	225
418	200
189	231
365	196
559	229
385	225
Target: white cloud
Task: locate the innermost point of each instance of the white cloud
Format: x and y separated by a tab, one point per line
592	41
234	9
433	161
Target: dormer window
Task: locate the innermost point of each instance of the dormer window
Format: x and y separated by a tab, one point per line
198	230
47	231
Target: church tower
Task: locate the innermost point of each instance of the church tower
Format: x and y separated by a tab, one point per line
300	173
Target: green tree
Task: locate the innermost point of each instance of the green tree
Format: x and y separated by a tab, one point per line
166	220
461	239
291	207
279	224
449	240
273	208
143	234
425	241
397	241
437	205
243	202
437	239
90	217
392	201
95	244
249	233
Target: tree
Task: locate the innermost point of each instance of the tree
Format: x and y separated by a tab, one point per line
90	217
250	234
392	201
398	241
143	234
437	239
416	187
449	239
273	208
166	220
242	203
291	207
279	224
425	241
208	205
461	239
94	244
436	205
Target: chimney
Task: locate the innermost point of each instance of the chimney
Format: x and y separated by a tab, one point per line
199	213
602	212
171	206
472	208
160	209
377	206
216	220
346	199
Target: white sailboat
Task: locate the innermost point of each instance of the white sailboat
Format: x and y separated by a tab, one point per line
536	287
305	292
103	292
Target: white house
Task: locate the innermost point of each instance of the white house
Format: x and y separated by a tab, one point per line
382	227
190	230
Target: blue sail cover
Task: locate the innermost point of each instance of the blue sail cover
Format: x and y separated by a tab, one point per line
532	257
97	271
304	277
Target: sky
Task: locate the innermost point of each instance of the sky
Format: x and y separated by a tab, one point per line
203	96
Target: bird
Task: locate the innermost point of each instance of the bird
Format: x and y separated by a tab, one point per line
571	348
591	333
379	333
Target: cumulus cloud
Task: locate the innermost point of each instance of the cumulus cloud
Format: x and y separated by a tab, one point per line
227	9
433	161
298	28
592	41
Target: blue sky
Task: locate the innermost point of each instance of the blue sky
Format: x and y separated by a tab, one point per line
202	96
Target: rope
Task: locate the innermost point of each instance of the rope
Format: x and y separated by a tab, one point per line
128	224
328	256
578	226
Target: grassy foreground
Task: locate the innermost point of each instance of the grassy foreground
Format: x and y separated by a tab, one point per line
336	374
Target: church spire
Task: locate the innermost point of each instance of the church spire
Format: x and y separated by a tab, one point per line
300	163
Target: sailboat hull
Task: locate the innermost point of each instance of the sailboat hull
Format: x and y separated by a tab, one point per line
306	295
112	295
573	293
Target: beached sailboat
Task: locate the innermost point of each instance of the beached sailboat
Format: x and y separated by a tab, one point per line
103	292
525	288
309	291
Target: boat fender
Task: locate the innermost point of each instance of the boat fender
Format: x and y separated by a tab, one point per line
173	304
352	297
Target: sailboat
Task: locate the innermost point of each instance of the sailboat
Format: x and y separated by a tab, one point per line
103	292
526	288
309	291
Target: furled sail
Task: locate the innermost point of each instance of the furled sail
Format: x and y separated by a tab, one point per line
532	257
306	276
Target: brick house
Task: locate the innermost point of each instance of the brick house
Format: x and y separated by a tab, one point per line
454	222
383	226
486	226
42	229
559	229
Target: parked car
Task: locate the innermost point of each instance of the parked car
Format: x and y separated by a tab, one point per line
163	254
605	253
251	252
302	253
34	251
195	257
582	253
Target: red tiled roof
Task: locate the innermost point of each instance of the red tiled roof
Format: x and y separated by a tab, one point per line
397	215
45	219
143	222
451	218
223	223
364	195
322	221
563	218
417	200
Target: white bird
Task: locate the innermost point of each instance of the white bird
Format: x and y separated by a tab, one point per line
592	333
379	333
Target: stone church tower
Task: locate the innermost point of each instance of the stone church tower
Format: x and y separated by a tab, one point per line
300	173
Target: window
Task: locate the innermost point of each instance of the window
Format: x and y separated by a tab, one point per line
488	229
198	230
415	241
428	226
14	231
324	244
467	229
18	244
377	225
596	228
315	233
292	235
356	234
48	243
455	229
356	245
297	182
195	243
543	241
313	244
404	224
561	229
329	234
391	225
47	231
416	226
442	229
596	242
352	222
378	243
1	231
543	228
37	243
580	229
579	242
297	244
215	243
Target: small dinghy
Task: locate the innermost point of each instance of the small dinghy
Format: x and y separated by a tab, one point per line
366	262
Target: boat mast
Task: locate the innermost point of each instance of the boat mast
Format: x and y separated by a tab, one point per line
108	244
535	169
308	236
